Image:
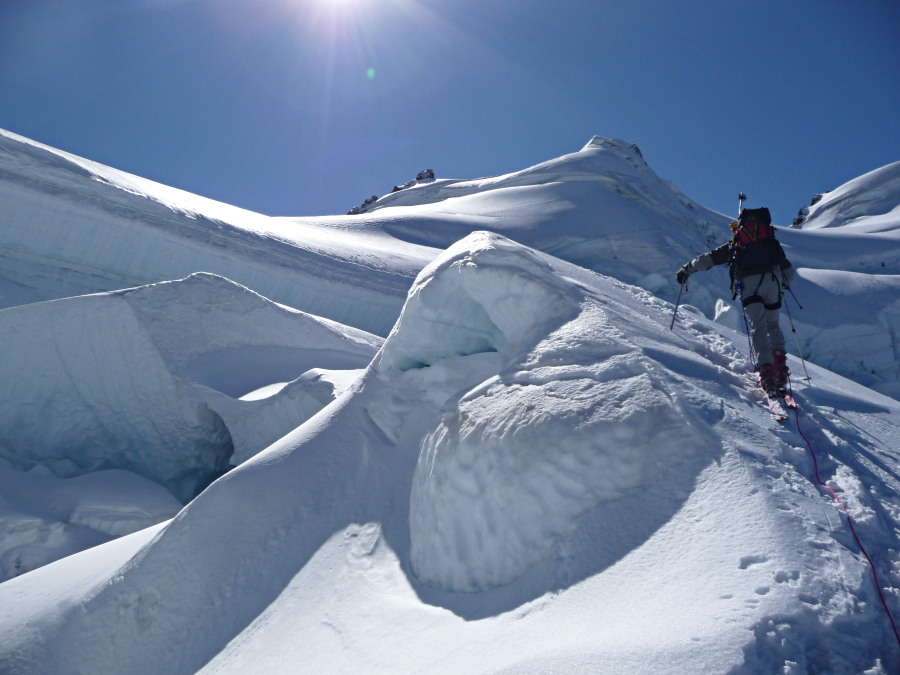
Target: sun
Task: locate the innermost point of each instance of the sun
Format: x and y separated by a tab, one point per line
341	3
340	7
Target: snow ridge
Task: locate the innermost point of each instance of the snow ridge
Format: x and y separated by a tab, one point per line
867	204
133	379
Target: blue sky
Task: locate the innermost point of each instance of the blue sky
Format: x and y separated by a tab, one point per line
306	107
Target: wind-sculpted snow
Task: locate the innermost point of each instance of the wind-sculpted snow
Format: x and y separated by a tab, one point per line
867	204
558	442
535	474
148	379
459	307
70	226
848	252
44	518
572	420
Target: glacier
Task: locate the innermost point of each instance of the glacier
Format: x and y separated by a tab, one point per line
150	379
454	433
69	225
554	477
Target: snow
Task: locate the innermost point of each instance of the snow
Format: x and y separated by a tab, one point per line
867	204
149	379
69	227
72	514
851	264
531	473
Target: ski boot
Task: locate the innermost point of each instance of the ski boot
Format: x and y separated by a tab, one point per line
767	381
780	371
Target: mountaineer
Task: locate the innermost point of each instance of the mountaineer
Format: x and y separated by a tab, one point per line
759	272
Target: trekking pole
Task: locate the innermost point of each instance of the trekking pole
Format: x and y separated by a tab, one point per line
677	303
750	351
741	198
797	339
791	291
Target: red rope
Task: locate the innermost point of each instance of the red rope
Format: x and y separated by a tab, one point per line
850	524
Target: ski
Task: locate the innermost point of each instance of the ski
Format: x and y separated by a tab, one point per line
776	401
776	407
789	401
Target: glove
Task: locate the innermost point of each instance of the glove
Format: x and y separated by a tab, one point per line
683	274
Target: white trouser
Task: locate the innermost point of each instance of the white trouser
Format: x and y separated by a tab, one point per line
761	298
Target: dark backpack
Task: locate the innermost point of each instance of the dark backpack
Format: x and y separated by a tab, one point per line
754	225
754	247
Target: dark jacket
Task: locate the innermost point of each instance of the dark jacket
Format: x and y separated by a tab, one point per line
755	258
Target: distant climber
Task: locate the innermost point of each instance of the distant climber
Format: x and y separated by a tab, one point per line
759	272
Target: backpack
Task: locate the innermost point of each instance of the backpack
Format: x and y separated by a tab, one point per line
754	248
754	225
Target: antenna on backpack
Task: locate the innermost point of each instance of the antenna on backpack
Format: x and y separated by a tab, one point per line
741	198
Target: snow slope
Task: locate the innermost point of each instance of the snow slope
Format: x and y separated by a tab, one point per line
44	518
174	382
848	248
533	475
69	226
602	208
865	204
